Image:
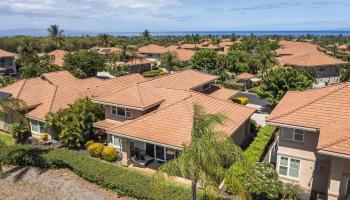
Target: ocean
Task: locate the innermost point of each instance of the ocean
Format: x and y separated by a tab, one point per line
239	33
43	32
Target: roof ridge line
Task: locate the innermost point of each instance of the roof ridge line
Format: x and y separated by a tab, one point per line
117	90
309	102
53	98
19	92
140	95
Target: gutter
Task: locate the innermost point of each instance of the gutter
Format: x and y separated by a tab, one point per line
293	126
339	155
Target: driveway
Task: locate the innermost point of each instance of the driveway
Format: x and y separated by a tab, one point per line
29	183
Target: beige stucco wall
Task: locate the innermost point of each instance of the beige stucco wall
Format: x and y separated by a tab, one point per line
108	114
241	133
306	152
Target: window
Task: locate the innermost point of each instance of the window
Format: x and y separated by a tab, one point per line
347	189
289	167
117	142
293	134
121	111
37	126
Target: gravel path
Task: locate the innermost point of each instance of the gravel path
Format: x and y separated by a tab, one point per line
31	183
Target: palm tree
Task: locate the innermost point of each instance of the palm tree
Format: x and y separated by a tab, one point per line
169	60
146	35
206	158
56	35
267	59
105	40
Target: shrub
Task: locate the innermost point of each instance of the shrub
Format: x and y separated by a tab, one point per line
232	84
20	132
258	148
124	181
291	191
95	149
153	73
44	137
240	100
88	143
110	154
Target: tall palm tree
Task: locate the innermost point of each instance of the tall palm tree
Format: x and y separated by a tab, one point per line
56	35
105	39
146	35
206	158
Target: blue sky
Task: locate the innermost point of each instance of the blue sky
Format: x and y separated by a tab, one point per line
175	15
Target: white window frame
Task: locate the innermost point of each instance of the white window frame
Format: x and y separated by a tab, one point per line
293	134
126	111
38	121
288	167
113	137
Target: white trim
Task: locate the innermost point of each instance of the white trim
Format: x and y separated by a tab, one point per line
293	134
288	168
143	140
31	128
292	126
131	107
120	107
340	155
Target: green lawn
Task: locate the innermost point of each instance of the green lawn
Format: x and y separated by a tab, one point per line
5	138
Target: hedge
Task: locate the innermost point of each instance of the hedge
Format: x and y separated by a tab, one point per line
263	183
240	100
153	73
125	181
258	148
232	84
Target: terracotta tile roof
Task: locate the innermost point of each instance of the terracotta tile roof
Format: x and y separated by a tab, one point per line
189	46
335	138
106	50
226	43
144	94
152	48
58	57
107	123
184	55
314	108
159	126
220	93
245	76
304	54
4	54
326	109
57	90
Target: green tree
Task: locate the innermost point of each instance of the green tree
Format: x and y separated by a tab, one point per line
56	35
105	40
6	80
206	158
204	60
266	57
20	132
170	61
146	35
279	80
74	124
83	64
37	66
239	61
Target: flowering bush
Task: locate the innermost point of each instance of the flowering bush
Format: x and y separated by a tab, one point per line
110	154
88	143
95	149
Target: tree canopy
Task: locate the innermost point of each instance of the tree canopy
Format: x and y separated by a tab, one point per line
279	80
83	64
74	124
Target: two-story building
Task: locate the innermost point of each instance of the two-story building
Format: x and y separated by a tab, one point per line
313	147
57	90
304	55
156	117
7	62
